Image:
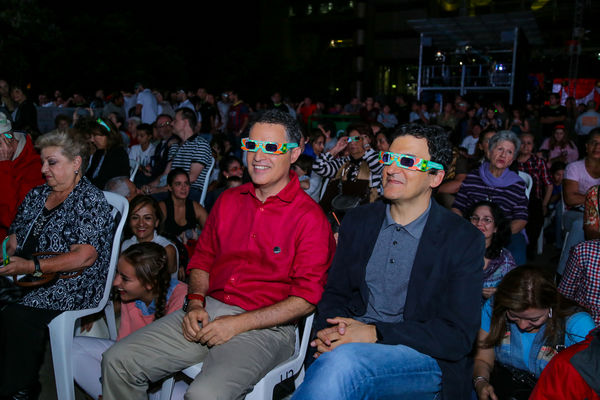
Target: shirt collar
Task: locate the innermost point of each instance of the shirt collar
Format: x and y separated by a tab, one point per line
287	194
415	228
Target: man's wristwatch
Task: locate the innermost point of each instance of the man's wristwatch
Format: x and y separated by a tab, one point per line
38	269
192	296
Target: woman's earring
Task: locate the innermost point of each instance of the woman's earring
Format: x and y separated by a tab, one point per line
550	313
76	171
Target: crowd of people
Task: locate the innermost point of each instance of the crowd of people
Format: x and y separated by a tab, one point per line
409	229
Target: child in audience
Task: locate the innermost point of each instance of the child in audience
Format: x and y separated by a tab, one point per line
147	292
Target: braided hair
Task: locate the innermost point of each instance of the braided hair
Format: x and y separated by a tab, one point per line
150	262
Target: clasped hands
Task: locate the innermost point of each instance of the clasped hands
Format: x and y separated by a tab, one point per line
344	330
197	327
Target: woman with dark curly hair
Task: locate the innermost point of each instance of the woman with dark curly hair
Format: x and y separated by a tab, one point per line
524	325
489	219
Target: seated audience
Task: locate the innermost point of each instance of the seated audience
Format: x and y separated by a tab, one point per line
591	213
560	147
182	217
67	215
573	373
524	325
400	310
19	171
123	186
541	191
244	296
493	181
497	262
359	172
142	154
581	280
230	166
144	222
146	292
110	158
580	176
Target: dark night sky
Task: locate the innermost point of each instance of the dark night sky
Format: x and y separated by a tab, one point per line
112	44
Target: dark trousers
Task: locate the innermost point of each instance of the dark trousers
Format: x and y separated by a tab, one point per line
23	333
535	222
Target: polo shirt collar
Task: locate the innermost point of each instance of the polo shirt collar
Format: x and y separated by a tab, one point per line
415	228
287	194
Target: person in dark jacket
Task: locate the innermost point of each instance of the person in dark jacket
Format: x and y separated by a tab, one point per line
110	158
400	312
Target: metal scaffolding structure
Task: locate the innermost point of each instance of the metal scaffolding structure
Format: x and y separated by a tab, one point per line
473	54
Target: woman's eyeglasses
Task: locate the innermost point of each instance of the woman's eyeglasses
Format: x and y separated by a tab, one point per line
354	139
485	220
267	147
408	162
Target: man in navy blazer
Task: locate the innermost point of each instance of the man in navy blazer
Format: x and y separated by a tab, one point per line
403	292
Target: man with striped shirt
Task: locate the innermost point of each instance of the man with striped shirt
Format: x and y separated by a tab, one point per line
193	155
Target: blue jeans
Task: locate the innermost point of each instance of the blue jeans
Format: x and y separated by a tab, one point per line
369	371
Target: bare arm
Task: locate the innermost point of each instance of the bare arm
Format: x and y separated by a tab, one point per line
79	256
195	171
171	259
196	315
483	365
571	194
201	214
517	225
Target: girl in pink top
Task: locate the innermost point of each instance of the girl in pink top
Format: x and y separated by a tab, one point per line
147	292
560	147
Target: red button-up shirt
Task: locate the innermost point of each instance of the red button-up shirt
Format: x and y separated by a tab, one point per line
258	254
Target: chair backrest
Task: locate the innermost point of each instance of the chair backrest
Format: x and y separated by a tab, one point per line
120	206
324	188
133	167
528	182
206	182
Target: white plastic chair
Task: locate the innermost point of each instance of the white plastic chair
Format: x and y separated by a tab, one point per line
263	390
324	188
133	167
63	326
206	182
528	182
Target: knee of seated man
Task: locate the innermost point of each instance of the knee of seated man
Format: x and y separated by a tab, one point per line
345	354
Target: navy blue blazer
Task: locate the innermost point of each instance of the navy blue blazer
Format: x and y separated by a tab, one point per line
442	310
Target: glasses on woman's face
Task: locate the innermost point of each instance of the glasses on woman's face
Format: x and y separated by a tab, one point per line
484	220
354	139
408	162
267	147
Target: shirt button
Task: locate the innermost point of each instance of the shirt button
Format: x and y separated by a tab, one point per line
391	261
232	279
253	235
227	297
262	209
395	242
398	229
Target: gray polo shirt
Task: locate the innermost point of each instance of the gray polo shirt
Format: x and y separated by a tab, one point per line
389	267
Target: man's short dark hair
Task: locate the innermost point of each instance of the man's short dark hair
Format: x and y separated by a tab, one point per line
290	124
438	144
189	115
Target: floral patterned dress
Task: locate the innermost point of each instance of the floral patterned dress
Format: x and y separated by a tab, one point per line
84	217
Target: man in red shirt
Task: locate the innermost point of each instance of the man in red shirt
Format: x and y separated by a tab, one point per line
260	265
20	171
